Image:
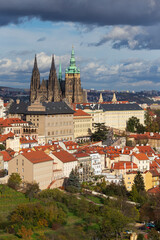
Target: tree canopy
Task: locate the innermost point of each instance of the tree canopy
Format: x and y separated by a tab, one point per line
139	182
100	133
14	181
134	125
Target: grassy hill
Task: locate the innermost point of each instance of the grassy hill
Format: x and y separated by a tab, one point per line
9	200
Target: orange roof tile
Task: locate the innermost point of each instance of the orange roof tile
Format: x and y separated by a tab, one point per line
81	113
37	156
9	121
64	156
4	137
124	165
141	156
6	156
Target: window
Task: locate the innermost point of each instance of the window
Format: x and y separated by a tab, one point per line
48	133
22	169
17	161
17	169
22	162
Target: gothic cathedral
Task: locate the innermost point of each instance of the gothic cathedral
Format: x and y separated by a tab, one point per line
55	89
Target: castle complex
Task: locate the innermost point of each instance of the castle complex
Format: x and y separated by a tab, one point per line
55	89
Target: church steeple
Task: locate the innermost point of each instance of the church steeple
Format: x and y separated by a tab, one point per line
72	67
35	63
35	81
54	92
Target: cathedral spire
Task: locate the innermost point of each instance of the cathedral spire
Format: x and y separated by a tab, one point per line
35	63
53	64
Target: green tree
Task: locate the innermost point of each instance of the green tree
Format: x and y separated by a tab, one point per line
2	147
14	181
134	125
100	133
139	182
31	190
73	184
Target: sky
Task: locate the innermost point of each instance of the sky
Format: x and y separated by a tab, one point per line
116	42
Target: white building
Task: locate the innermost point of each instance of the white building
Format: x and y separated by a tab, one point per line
96	163
65	161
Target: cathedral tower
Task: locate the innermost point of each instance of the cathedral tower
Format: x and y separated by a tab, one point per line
35	81
54	91
73	90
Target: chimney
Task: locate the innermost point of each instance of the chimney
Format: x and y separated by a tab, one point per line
18	101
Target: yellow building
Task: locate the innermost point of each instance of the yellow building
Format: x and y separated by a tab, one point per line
155	177
82	124
53	120
129	179
114	115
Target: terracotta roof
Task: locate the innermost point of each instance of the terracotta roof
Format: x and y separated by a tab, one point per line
81	155
6	156
141	156
9	121
154	172
37	156
64	156
6	136
154	190
124	165
25	140
81	113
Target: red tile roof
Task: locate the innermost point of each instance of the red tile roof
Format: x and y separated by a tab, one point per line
154	190
141	156
9	121
37	156
124	165
81	113
4	137
81	155
6	156
25	140
64	156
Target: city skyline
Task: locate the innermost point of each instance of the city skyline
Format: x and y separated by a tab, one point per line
116	45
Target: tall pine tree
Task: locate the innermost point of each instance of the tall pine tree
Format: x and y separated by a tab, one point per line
139	182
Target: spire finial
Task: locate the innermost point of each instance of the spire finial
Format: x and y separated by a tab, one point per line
52	64
35	62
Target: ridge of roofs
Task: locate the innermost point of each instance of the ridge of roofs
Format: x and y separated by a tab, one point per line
154	190
80	112
124	165
50	108
81	155
37	156
9	121
4	137
64	156
25	140
140	156
145	149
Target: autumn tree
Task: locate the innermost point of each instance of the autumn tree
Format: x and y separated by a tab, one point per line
31	190
14	181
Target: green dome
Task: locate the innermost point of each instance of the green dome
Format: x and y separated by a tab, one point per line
72	67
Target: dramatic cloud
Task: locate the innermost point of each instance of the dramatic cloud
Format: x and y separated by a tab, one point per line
132	37
102	12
